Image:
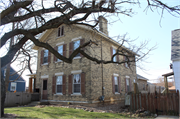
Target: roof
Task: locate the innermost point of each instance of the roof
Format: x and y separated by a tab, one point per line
13	75
47	32
172	88
168	74
141	77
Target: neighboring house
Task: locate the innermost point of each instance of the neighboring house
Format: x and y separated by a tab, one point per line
83	81
18	85
142	83
175	56
152	87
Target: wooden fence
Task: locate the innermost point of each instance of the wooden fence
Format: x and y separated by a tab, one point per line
161	104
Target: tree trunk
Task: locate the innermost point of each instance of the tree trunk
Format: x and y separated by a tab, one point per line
3	95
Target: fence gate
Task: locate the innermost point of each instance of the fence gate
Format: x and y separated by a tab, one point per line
161	104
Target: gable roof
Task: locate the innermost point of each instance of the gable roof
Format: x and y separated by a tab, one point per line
13	75
141	77
46	33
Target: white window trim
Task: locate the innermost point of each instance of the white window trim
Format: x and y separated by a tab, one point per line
76	94
76	72
114	74
56	82
44	76
77	38
58	61
15	86
61	43
59	73
73	84
77	57
117	84
58	94
45	64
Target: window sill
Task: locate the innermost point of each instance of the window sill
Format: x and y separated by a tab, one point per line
76	94
44	64
59	36
58	61
117	93
58	94
77	57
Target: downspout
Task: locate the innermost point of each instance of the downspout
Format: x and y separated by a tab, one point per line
102	72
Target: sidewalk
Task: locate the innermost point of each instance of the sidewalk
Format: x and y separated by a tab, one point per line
167	117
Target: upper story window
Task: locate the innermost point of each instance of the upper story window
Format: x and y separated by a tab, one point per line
61	48
60	51
115	57
76	44
60	31
126	63
113	51
45	57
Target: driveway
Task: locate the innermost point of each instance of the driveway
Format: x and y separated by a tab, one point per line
167	117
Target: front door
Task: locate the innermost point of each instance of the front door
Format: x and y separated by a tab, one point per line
44	96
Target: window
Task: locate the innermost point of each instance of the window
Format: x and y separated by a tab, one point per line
127	85
4	72
13	86
59	83
143	86
45	58
60	51
76	83
60	31
76	44
126	63
114	59
116	84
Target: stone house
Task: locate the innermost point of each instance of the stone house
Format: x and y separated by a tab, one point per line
83	81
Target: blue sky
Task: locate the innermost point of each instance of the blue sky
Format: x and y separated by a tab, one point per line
147	26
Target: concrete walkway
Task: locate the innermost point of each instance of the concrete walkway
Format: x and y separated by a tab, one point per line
167	117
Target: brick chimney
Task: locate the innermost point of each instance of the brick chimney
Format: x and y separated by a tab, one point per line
103	25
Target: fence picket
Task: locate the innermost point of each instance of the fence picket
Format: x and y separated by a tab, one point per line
164	104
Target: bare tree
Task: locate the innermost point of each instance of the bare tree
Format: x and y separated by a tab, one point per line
66	12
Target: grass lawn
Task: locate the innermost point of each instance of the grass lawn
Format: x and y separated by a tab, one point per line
58	112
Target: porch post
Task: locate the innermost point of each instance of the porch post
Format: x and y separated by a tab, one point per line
30	85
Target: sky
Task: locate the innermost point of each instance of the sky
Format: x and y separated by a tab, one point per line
150	27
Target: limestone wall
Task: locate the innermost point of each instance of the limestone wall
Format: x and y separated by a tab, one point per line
93	70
